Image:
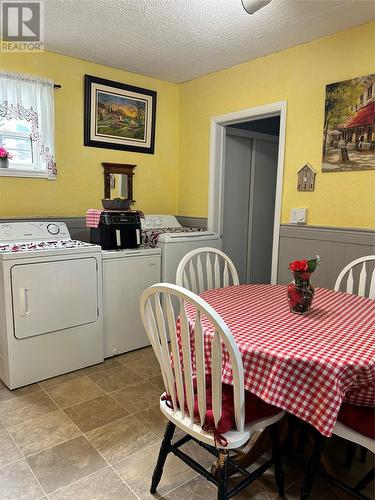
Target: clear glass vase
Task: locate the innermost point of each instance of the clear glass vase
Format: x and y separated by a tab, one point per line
300	293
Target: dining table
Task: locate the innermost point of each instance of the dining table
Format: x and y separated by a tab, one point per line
308	364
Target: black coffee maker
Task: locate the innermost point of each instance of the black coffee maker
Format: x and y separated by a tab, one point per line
117	230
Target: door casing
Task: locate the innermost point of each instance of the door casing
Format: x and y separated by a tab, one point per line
217	166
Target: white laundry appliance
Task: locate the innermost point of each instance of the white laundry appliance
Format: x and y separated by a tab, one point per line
174	241
50	302
126	274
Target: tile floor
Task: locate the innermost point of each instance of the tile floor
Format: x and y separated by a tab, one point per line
95	434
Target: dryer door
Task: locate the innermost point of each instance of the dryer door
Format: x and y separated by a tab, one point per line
54	295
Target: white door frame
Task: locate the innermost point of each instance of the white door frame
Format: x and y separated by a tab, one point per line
217	165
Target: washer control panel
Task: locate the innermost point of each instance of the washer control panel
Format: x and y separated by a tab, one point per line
33	231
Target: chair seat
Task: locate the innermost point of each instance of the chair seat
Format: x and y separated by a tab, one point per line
255	408
256	413
358	418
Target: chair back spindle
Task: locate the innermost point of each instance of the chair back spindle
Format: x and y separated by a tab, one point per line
206	268
358	279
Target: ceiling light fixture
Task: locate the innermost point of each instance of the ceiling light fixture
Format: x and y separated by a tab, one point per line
252	6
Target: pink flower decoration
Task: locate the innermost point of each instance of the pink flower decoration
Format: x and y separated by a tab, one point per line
5	154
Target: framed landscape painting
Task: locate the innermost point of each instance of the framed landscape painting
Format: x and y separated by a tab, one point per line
119	116
349	125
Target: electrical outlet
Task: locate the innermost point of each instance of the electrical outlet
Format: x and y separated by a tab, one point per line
298	215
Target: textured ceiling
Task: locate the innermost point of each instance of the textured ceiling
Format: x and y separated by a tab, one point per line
178	40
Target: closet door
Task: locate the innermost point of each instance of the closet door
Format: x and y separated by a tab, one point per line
262	211
236	201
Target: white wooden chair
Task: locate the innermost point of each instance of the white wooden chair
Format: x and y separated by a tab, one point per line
177	404
363	284
344	431
366	443
355	279
206	268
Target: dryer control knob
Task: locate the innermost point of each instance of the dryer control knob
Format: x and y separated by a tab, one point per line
53	229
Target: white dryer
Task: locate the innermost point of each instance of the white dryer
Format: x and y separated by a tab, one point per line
175	241
50	302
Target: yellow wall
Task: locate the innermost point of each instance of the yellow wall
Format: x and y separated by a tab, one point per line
80	181
175	178
298	76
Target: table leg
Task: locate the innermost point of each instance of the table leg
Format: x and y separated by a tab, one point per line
363	454
350	454
325	463
276	455
295	440
313	465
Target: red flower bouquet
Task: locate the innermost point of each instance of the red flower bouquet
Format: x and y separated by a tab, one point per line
299	266
304	265
300	291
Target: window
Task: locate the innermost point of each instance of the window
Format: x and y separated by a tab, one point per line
15	137
27	125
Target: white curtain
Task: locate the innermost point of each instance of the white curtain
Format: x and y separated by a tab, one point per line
27	97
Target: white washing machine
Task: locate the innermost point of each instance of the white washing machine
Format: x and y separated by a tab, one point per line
126	274
175	241
50	302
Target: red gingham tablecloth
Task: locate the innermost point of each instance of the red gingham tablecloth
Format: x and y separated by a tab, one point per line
302	364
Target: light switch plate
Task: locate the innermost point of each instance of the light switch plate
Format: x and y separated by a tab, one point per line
298	215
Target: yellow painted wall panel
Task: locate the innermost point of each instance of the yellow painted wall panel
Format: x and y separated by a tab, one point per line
175	178
80	181
299	76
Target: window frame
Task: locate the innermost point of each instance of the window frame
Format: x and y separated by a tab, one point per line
34	169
